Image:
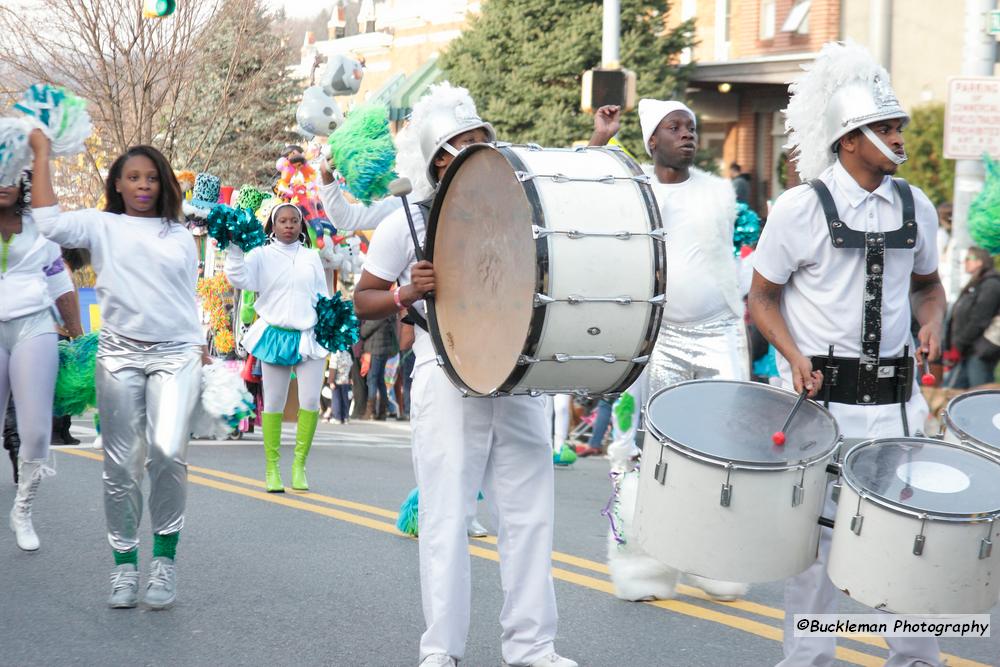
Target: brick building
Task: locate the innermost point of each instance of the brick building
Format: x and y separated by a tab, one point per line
748	50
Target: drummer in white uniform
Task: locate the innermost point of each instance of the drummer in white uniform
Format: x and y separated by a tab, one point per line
463	444
836	268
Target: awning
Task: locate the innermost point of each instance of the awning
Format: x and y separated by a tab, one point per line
772	69
413	89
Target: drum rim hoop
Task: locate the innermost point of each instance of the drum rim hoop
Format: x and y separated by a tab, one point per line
962	434
898	508
688	452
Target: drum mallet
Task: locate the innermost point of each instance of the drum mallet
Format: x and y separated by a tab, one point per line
927	379
400	188
779	437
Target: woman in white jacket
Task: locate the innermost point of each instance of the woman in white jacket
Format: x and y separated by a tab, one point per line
32	279
288	278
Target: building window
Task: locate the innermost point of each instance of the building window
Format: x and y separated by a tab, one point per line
798	18
767	18
722	8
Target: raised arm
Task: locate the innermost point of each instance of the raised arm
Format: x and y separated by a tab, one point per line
607	122
242	269
70	230
347	216
765	309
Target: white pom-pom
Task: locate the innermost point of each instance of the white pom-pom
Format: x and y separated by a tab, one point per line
15	154
224	402
61	115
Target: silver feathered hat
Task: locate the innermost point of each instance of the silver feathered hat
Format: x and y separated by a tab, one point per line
843	90
439	116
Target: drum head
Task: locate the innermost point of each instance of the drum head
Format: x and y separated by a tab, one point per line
923	475
976	416
730	421
481	244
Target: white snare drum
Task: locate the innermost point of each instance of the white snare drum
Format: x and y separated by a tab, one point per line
550	270
716	497
974	419
915	527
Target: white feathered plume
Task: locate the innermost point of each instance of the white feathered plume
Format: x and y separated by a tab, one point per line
805	118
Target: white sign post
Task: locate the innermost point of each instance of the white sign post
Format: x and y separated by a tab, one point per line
972	118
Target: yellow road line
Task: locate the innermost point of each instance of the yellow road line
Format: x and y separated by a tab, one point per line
737	622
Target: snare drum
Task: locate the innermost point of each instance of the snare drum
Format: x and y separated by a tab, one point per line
974	419
716	497
915	527
550	270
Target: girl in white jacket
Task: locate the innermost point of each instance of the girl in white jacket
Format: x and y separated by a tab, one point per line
288	278
32	279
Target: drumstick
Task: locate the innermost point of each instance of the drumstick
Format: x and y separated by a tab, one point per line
927	379
400	188
779	437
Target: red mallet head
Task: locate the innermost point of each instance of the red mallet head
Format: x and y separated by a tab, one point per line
778	438
927	379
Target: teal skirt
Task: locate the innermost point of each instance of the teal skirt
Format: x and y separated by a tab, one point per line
278	346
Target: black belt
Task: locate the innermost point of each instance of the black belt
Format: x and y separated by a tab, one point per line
894	383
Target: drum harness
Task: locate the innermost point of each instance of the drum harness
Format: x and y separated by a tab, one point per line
869	380
413	315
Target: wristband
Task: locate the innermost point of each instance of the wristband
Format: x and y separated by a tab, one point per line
396	299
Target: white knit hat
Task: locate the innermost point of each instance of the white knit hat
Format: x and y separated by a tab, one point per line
651	112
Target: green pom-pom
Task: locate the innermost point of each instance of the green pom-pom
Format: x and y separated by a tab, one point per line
984	211
236	225
407	522
75	390
337	327
624	411
363	151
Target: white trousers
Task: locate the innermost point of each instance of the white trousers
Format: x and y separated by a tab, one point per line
499	445
812	592
559	406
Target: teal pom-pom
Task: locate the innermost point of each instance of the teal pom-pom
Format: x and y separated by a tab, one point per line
984	211
337	327
235	225
363	151
75	390
747	229
407	522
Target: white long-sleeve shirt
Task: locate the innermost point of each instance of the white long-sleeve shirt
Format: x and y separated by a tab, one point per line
32	273
288	280
147	271
346	216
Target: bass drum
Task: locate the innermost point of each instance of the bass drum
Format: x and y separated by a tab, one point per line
973	418
550	270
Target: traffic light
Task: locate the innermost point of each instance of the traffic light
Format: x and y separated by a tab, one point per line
157	9
607	86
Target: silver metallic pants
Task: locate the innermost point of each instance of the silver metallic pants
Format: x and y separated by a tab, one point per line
145	395
716	348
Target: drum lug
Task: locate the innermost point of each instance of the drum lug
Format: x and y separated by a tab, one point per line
799	490
539	232
726	497
640	360
542	300
835	491
524	360
659	234
660	472
857	520
985	548
657	300
919	540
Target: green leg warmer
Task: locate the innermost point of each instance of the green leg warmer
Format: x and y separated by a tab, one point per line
165	545
303	442
271	425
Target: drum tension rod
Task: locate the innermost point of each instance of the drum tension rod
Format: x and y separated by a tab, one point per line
799	490
726	496
660	470
986	545
575	300
857	520
575	234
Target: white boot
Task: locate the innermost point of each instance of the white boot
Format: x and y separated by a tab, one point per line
30	474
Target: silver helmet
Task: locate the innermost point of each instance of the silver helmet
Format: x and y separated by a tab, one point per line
859	103
440	117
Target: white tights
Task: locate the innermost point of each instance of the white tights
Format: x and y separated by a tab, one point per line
29	372
309	373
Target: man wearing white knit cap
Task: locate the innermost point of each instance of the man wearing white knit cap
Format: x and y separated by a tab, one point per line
702	334
841	260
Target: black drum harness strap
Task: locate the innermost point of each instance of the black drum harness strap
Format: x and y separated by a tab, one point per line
413	315
869	380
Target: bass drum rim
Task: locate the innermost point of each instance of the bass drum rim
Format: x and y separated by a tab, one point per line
538	316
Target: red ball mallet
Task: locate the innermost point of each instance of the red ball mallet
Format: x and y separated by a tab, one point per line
927	379
779	436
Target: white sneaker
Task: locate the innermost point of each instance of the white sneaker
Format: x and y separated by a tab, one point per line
551	660
124	587
439	660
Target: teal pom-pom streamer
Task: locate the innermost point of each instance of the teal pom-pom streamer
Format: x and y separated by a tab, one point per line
235	225
363	152
747	228
75	390
407	522
337	327
984	211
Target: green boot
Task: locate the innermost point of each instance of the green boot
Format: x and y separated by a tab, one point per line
271	425
303	441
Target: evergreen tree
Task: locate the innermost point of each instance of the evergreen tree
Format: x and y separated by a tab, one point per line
523	62
240	101
927	168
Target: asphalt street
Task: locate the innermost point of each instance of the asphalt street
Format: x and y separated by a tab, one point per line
324	578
